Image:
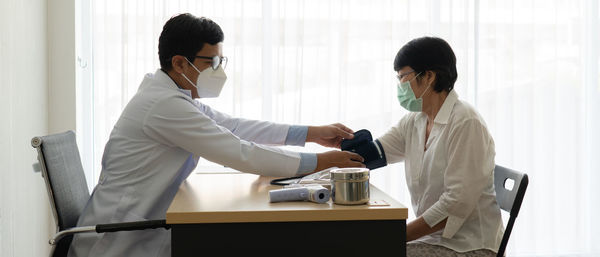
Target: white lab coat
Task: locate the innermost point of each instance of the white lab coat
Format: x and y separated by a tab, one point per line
154	146
453	178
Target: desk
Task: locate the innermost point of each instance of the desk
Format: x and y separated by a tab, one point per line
231	214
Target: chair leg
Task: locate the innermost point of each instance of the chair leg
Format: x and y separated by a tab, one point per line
53	248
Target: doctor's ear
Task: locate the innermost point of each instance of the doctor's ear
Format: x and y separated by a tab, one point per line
179	63
430	77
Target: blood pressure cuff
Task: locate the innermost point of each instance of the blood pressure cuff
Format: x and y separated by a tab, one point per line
370	150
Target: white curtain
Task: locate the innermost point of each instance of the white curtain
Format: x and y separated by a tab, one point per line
530	67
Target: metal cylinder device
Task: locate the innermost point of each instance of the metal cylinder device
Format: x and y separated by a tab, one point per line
350	186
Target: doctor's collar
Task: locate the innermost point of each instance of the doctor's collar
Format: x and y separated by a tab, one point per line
166	73
182	90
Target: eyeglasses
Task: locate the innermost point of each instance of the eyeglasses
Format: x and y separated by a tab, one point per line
401	76
216	61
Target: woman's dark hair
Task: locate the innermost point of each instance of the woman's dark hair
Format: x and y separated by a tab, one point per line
429	54
185	34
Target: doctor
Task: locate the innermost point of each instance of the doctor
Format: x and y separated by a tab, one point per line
163	131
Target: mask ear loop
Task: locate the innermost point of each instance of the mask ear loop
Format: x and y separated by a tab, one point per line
192	65
427	89
186	78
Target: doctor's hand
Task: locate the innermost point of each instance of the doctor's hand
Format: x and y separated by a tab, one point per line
340	159
329	135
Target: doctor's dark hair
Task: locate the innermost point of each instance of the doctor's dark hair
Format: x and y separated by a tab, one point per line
185	34
429	54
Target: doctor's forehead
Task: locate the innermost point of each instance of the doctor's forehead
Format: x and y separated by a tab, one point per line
405	69
211	50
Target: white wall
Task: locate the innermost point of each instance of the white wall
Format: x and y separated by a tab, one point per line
37	97
25	223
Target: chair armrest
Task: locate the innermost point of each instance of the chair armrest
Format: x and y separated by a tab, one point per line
128	226
73	230
111	227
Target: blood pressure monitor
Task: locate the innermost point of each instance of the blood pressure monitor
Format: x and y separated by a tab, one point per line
370	150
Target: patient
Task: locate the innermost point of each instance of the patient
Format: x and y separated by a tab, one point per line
448	154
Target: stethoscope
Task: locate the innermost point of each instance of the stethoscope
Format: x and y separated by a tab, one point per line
286	181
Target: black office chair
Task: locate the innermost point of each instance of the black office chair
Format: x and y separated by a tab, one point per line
509	199
61	168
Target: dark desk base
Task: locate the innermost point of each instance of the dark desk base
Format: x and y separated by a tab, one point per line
323	238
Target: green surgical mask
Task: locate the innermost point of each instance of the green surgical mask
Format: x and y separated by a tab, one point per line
407	97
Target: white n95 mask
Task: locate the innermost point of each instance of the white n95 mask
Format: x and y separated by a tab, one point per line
210	82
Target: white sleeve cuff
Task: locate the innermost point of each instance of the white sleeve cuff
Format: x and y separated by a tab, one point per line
453	224
435	214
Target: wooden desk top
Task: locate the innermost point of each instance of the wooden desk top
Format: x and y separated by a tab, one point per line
240	197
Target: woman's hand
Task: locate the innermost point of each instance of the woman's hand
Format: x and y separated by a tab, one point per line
419	228
329	135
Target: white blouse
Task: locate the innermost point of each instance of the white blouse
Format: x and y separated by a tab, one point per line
453	178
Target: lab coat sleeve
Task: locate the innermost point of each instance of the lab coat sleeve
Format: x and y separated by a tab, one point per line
177	122
262	132
470	167
394	142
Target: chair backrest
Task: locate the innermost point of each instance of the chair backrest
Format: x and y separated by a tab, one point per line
509	197
61	167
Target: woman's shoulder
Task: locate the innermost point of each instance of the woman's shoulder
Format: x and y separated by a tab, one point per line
464	111
408	119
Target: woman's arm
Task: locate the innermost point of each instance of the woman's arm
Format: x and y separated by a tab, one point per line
419	228
394	141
